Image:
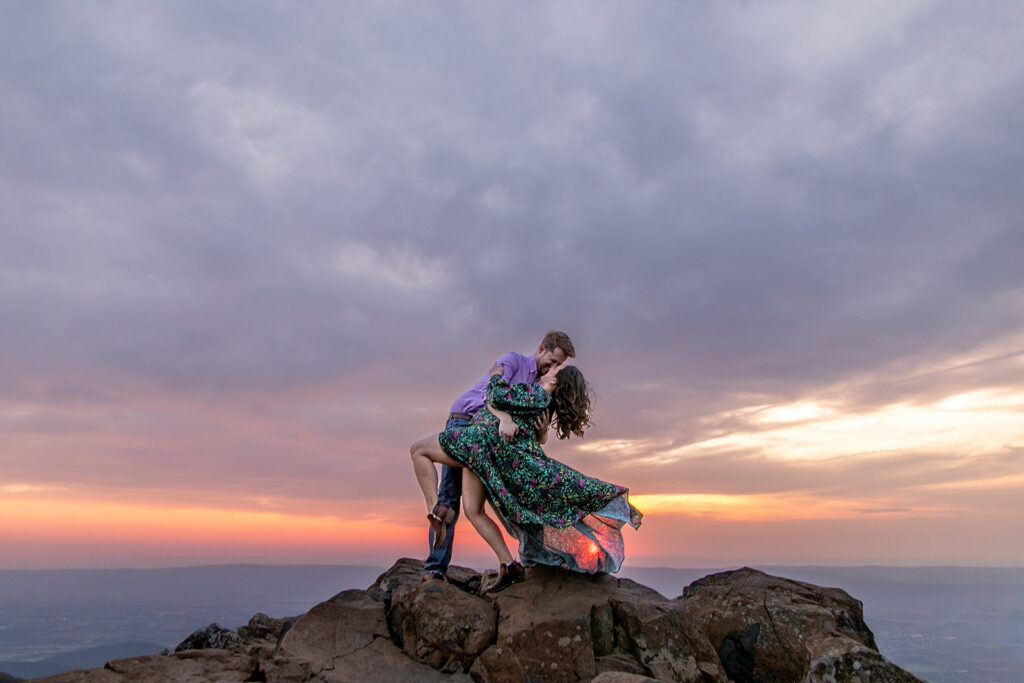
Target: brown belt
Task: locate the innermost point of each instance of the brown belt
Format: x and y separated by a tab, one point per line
461	416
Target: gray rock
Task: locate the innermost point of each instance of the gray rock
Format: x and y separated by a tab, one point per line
555	626
213	636
621	677
443	626
333	630
767	628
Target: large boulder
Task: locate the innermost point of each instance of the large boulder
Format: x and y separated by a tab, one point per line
344	639
332	631
656	634
767	628
443	626
563	626
743	626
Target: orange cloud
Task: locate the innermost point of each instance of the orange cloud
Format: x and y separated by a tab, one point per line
62	520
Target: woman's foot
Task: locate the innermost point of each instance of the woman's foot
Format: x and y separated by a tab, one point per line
508	574
439	518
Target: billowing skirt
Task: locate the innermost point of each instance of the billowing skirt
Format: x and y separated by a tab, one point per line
592	544
560	516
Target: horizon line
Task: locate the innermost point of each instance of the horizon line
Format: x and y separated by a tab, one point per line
716	567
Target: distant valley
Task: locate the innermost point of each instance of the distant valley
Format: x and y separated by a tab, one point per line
76	618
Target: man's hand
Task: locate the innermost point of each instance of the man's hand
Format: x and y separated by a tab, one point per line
507	427
541	424
547	380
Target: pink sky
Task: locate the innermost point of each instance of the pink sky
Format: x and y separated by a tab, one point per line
148	480
249	254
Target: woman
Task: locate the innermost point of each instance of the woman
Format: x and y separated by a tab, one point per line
559	516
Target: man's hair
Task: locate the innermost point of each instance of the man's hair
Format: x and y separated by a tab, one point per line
558	340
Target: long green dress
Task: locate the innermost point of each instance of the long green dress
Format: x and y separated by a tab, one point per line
560	516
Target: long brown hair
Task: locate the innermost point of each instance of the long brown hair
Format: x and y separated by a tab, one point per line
570	402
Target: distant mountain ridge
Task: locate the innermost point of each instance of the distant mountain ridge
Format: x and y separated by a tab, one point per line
199	579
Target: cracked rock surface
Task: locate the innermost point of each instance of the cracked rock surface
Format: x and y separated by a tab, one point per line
741	625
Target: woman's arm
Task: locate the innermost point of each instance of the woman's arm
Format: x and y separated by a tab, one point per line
516	397
507	427
523	399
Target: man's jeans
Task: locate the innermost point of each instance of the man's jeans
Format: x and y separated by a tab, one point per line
448	493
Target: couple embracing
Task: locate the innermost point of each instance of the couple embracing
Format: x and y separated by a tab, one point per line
491	451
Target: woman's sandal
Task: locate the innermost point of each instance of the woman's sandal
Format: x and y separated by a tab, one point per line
439	518
508	574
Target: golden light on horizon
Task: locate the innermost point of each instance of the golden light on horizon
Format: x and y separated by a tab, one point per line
39	517
916	465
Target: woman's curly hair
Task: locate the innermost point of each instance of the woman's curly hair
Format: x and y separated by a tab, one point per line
570	402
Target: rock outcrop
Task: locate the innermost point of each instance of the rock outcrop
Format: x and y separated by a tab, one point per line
743	626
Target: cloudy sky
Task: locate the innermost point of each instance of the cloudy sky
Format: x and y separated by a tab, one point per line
249	252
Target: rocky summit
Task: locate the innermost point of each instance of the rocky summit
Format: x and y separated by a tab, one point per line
743	625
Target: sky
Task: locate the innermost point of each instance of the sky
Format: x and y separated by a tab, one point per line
249	252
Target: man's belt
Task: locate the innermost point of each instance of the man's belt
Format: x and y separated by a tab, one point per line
460	416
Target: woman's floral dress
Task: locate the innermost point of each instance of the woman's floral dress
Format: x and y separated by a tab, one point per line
560	516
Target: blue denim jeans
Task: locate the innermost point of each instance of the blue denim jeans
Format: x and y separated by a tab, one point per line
449	493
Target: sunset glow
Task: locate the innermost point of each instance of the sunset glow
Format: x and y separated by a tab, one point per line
811	433
239	277
100	521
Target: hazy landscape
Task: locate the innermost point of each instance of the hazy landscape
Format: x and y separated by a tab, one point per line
251	251
944	624
58	613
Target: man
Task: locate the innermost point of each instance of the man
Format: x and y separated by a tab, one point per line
554	349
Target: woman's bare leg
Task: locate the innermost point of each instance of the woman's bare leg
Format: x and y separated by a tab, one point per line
473	497
425	453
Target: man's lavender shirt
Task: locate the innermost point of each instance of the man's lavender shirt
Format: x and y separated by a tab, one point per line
516	369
